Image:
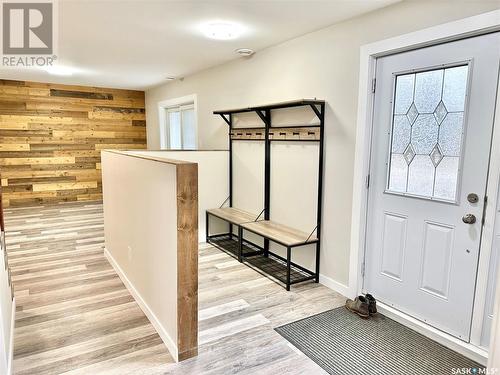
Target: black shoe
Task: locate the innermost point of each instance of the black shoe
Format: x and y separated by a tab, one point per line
372	304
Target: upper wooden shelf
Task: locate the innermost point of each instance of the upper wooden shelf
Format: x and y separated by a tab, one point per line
232	215
288	104
279	233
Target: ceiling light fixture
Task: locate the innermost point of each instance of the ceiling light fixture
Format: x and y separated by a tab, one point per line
60	70
170	78
245	52
221	30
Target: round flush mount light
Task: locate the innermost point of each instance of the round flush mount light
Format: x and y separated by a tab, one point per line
170	78
245	52
221	30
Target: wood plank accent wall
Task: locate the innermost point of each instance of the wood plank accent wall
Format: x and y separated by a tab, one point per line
51	137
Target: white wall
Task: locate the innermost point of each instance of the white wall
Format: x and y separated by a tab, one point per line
248	176
213	178
493	320
140	227
492	277
323	64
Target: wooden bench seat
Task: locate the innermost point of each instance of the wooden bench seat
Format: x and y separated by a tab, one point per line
232	215
279	233
261	257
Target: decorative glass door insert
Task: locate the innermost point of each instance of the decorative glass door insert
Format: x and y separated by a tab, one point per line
427	131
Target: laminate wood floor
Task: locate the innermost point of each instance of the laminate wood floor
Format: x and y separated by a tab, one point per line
74	315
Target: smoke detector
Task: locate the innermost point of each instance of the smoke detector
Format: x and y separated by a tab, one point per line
245	52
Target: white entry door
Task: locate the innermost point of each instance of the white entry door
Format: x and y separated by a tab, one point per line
433	118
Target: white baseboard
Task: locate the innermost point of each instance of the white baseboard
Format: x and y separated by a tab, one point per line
466	349
335	285
167	340
10	368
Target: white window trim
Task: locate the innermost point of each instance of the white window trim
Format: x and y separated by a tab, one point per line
164	105
456	30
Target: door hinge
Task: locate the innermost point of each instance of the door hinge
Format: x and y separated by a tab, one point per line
367	181
374	84
363	269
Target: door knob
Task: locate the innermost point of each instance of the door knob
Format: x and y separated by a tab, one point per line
473	198
469	219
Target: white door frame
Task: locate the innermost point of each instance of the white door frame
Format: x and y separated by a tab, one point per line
467	27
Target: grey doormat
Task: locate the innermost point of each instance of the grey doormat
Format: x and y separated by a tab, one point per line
343	343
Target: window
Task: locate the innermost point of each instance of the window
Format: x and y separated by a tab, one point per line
178	128
427	129
181	128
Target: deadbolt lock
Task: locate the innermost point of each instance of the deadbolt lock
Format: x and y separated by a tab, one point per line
472	198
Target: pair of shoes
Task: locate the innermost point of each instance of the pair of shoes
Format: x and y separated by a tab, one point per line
363	306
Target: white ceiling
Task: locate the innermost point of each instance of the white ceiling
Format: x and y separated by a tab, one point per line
137	44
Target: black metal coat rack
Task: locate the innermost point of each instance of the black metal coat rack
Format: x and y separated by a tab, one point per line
269	134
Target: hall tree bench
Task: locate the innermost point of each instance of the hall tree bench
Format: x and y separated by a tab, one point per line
302	131
255	256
